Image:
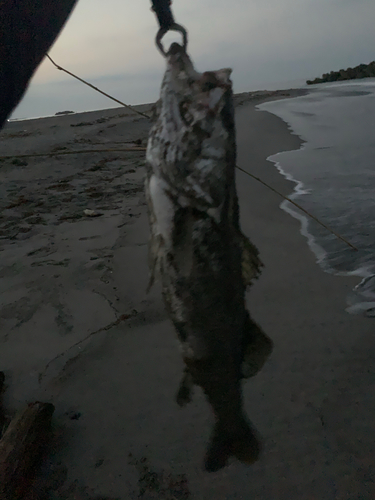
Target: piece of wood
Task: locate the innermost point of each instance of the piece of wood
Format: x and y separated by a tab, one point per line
22	448
2	413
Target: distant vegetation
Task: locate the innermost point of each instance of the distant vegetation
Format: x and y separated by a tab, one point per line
361	71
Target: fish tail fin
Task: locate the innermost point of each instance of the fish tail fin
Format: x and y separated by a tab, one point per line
240	441
257	349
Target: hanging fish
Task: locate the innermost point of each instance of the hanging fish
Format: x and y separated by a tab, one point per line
197	249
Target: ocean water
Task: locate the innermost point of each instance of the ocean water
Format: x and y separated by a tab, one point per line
334	172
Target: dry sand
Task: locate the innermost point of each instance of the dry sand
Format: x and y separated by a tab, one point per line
78	330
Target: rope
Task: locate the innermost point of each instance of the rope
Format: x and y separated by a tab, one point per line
301	208
98	90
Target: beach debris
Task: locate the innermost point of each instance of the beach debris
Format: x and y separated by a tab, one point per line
70	217
19	163
73	415
22	448
17	135
198	250
92	213
27	472
21	200
159	484
83	124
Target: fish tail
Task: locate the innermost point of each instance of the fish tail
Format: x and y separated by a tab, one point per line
238	440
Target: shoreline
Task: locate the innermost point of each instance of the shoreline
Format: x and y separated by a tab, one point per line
78	329
360	300
317	249
239	99
319	347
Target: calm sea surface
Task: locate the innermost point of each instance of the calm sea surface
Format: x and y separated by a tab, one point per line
334	173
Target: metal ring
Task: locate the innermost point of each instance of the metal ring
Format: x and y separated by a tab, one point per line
163	31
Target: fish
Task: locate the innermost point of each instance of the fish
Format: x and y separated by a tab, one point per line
198	252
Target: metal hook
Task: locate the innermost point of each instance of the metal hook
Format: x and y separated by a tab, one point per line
163	31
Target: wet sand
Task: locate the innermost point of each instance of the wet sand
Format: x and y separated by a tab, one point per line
79	330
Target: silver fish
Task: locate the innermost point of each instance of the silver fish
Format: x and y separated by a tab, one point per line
197	249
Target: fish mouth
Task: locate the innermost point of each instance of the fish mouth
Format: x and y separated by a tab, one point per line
184	75
198	92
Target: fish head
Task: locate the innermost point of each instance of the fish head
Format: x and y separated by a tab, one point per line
192	143
199	91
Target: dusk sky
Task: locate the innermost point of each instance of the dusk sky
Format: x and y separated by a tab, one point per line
268	43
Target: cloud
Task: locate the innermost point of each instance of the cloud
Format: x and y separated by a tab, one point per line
264	41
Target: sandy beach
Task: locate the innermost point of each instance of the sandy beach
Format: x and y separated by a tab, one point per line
78	329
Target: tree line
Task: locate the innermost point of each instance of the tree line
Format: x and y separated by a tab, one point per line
360	71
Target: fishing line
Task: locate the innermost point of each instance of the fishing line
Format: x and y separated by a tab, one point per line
144	149
98	90
301	208
60	153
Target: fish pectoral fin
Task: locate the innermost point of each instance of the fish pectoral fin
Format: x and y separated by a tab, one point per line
240	441
151	280
155	252
257	349
251	263
185	390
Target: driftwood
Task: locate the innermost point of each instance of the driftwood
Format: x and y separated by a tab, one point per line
2	413
22	448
